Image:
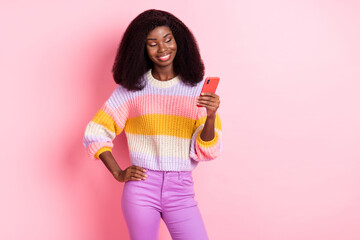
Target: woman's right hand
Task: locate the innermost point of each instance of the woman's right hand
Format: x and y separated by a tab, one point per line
131	173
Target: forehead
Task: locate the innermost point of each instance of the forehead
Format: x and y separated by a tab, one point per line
159	32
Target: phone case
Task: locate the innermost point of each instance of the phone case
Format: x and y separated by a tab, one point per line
210	85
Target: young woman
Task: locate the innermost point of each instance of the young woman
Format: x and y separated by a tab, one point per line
160	75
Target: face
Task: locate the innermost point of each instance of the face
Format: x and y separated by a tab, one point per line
161	46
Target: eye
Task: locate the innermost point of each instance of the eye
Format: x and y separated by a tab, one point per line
152	44
168	40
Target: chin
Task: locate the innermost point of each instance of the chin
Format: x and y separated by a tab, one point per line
164	64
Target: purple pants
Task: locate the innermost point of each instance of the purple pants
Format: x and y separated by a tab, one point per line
163	194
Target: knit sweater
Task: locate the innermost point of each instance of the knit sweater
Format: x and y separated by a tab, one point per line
162	125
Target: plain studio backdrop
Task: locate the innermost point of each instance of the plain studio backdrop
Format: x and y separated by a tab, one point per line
289	107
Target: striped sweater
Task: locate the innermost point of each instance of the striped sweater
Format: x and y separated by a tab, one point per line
162	125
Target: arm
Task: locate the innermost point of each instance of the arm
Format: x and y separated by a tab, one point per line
208	132
206	142
108	159
130	173
108	122
211	101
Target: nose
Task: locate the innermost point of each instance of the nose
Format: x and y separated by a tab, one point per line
162	48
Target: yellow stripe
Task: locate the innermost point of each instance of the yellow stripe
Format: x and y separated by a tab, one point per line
160	124
207	144
203	119
101	150
105	120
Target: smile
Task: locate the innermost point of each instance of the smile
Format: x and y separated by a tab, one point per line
164	58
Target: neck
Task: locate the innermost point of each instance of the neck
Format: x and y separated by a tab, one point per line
163	73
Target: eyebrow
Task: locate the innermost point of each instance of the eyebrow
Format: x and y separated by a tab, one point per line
163	37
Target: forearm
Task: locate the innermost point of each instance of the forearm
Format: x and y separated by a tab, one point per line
208	132
108	159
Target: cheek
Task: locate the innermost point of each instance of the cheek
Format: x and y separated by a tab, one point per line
174	47
150	52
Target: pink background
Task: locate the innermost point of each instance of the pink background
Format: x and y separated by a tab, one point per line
289	107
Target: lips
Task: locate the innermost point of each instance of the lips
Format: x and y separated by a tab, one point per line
164	58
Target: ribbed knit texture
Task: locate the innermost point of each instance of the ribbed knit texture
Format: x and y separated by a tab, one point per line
162	125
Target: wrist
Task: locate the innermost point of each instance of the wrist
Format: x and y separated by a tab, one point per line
117	173
211	117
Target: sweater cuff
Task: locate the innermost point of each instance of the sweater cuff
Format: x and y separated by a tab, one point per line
207	144
101	150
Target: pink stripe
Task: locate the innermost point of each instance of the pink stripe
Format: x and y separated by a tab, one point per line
119	115
206	153
162	104
202	112
94	147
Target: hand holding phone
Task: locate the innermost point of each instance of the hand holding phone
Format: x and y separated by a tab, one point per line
210	85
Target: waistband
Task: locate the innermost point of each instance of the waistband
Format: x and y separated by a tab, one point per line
169	173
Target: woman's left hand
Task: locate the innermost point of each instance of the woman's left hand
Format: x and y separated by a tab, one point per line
209	100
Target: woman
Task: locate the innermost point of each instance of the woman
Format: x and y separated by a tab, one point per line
160	75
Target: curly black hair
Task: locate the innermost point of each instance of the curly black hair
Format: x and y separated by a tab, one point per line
132	61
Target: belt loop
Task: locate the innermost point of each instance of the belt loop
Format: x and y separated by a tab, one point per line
180	175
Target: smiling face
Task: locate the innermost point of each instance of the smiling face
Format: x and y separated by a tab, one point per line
161	47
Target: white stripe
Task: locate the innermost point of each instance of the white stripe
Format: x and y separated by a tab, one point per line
98	130
159	145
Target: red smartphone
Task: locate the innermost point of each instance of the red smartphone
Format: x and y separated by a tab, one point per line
210	85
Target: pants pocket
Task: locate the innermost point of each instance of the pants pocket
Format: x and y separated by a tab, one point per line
187	179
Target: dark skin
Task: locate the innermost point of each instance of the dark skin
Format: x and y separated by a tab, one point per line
161	43
161	48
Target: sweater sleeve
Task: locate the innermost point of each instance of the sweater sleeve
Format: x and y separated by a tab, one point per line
201	150
108	122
